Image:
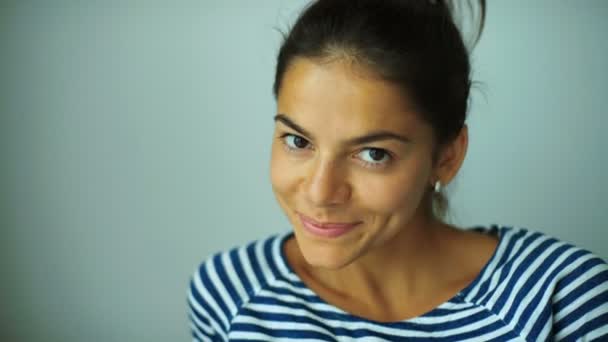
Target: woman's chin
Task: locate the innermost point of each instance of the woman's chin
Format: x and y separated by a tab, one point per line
327	256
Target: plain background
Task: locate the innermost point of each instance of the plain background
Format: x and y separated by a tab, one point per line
135	140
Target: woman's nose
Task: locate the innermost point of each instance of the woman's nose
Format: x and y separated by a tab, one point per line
327	185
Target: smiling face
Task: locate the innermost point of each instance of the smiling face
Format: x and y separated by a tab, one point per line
348	148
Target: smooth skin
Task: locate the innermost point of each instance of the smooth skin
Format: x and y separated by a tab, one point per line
398	262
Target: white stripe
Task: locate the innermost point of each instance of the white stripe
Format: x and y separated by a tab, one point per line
601	331
233	276
304	291
280	261
248	335
263	261
246	263
546	330
293	299
592	272
210	301
220	288
457	314
276	309
574	326
603	287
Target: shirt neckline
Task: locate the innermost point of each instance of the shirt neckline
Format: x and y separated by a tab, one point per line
493	229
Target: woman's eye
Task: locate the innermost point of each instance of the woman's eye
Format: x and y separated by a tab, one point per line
375	156
295	142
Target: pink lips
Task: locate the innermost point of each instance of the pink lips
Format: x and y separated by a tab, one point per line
326	229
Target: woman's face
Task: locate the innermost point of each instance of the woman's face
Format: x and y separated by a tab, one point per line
347	148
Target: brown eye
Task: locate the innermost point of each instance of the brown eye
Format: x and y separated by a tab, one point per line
376	154
300	142
295	141
375	157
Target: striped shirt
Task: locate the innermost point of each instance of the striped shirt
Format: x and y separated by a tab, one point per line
533	288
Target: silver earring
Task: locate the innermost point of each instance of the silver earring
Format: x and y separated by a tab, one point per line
437	186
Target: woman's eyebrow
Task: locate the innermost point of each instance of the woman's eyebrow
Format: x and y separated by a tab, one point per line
368	138
378	136
289	123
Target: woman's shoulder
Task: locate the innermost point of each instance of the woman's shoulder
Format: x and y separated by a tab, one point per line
227	280
245	267
548	279
533	254
525	245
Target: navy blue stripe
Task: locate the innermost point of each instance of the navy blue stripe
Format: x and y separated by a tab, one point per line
284	317
534	279
223	276
255	265
360	333
508	251
210	288
336	332
200	301
238	268
268	244
291	333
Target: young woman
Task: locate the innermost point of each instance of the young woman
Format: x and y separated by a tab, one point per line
371	106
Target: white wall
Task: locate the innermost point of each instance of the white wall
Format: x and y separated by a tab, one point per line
135	141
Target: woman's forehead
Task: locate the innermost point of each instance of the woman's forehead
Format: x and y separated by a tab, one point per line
345	98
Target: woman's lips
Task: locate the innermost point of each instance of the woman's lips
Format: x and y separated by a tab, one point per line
326	229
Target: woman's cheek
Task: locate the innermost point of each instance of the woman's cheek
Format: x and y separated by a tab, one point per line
276	176
281	171
394	193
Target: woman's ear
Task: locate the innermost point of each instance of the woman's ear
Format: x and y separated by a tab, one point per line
451	157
